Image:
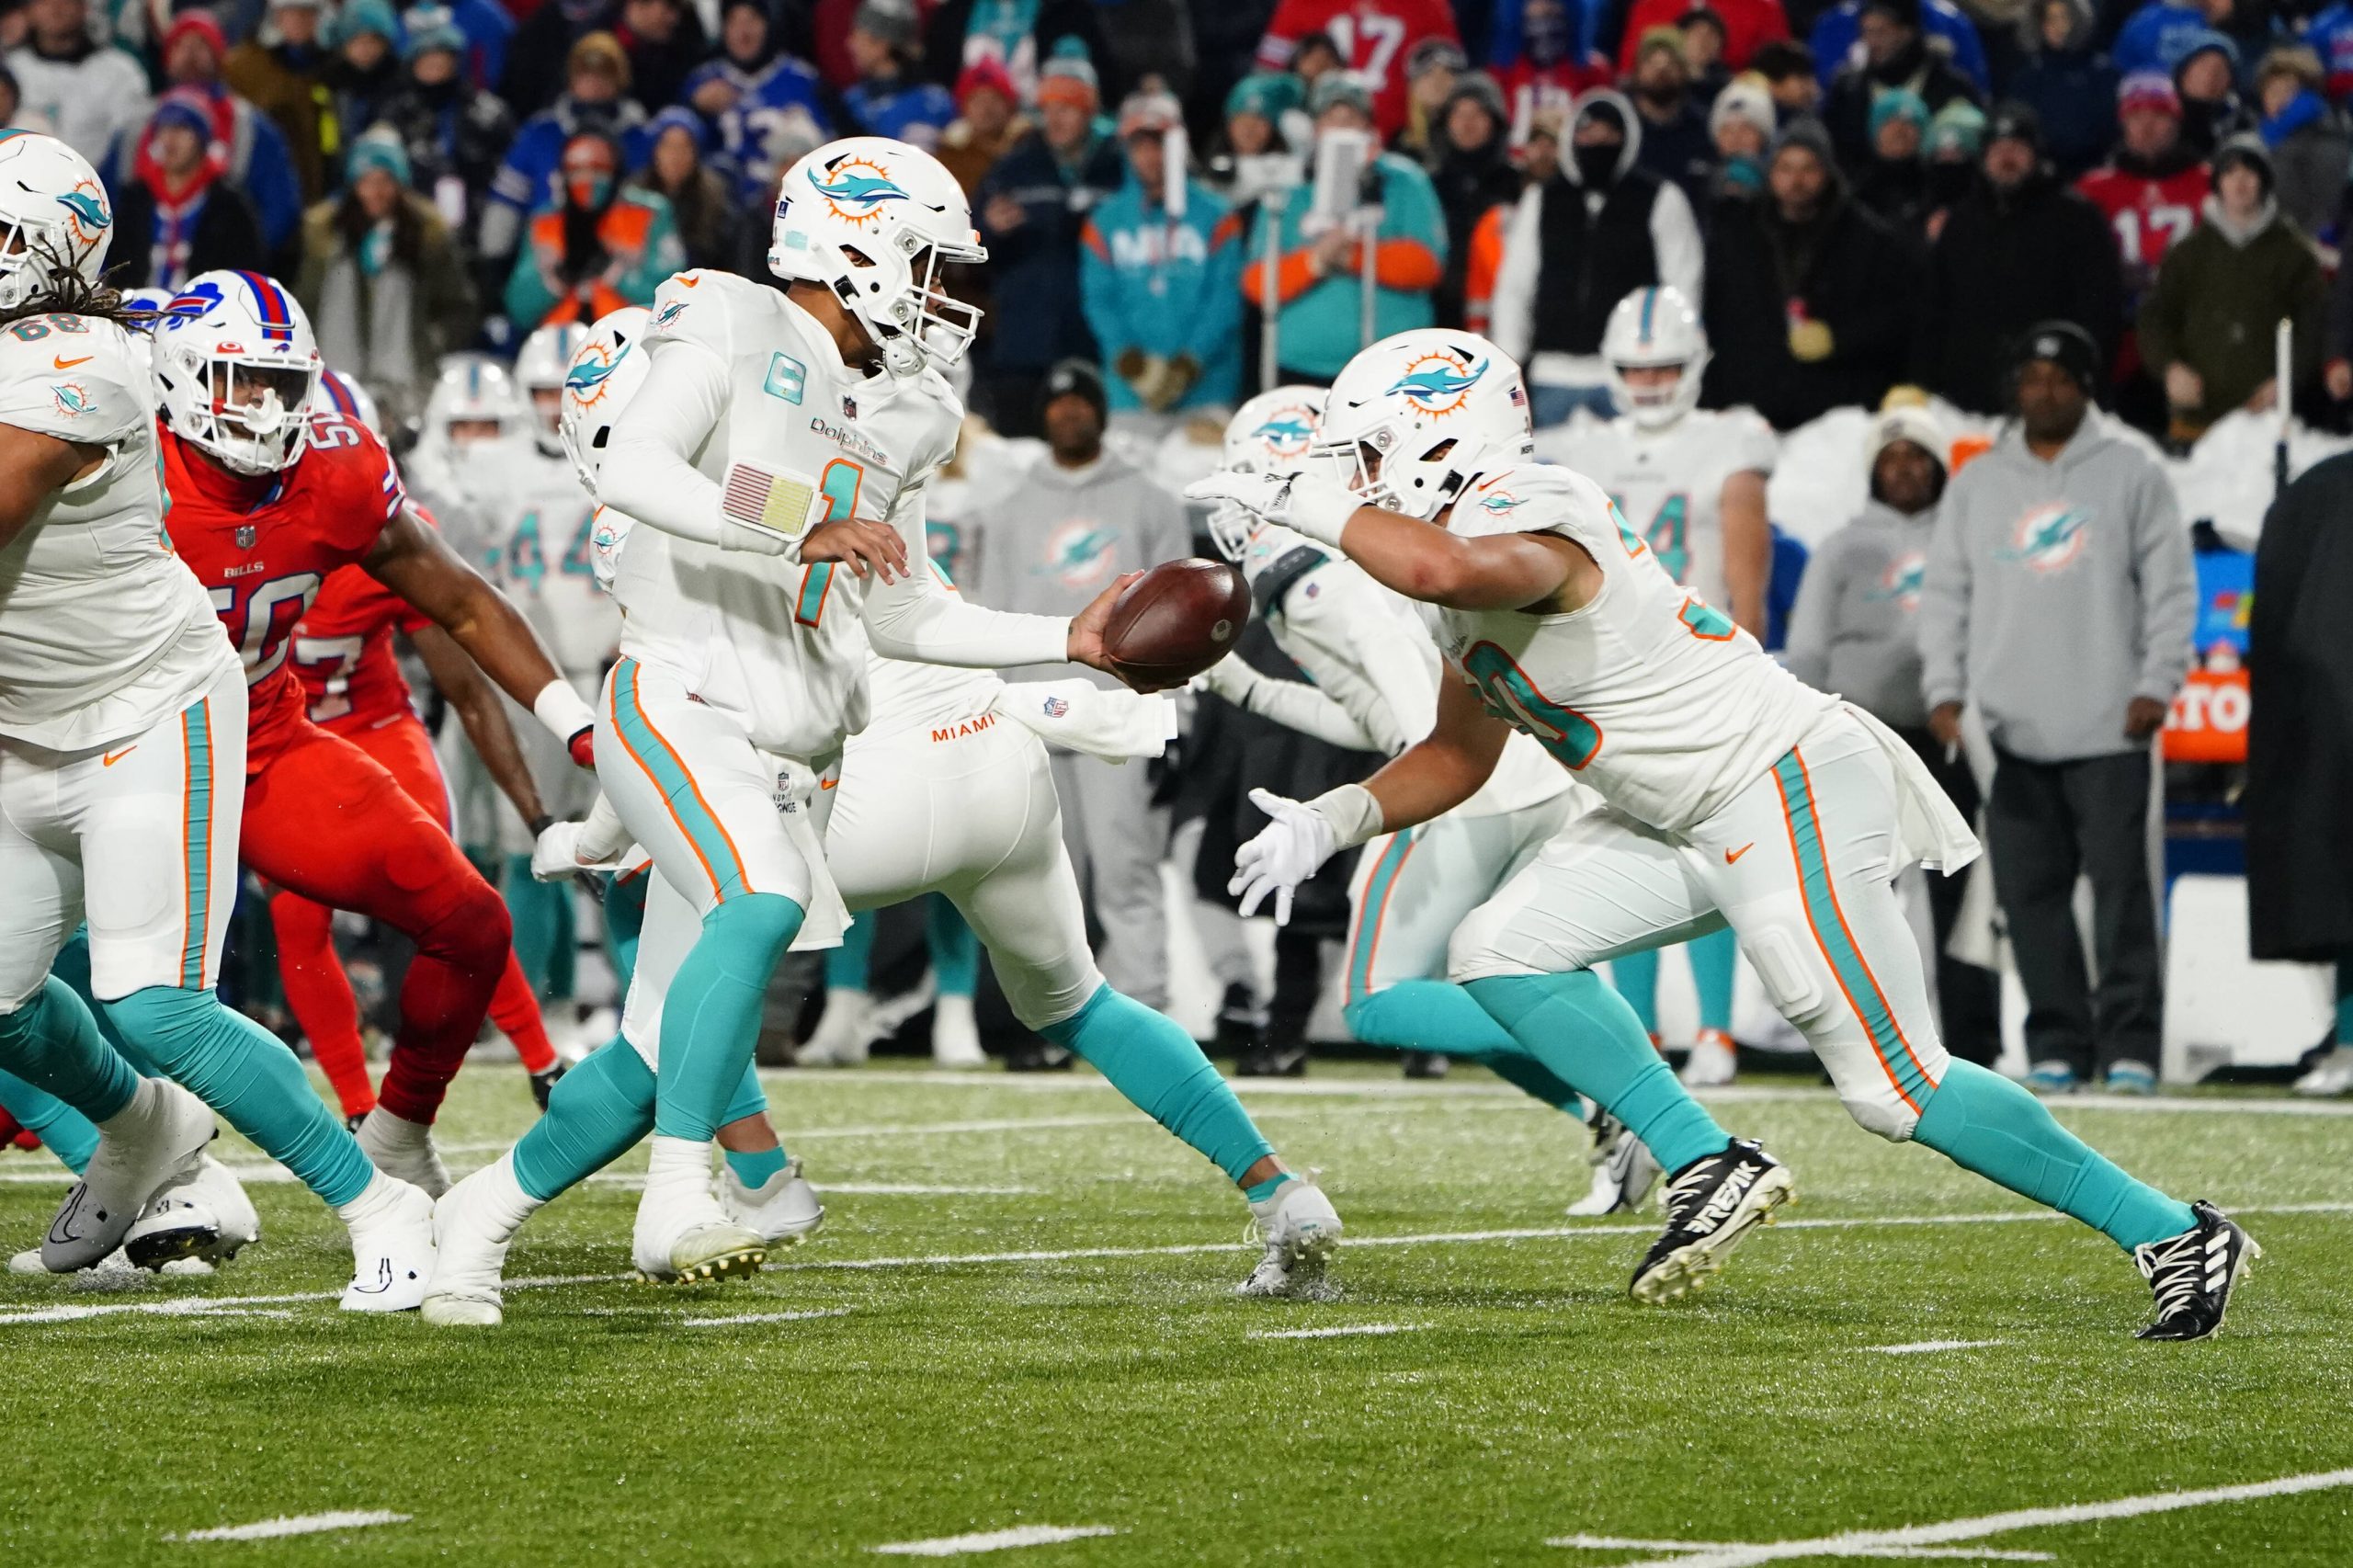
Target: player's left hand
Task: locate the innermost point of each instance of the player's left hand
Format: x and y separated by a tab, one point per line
1262	493
1085	644
2143	717
582	747
865	548
1291	849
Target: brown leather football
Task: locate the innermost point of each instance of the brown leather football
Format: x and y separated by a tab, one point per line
1176	622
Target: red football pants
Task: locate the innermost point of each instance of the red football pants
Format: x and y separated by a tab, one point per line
325	821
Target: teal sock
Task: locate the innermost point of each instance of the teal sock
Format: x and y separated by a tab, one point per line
595	1114
2344	1002
1714	957
1635	975
1430	1015
711	1021
1983	1122
846	965
64	1132
754	1168
563	937
1149	1058
955	950
53	1044
243	1072
750	1099
624	920
1259	1191
535	909
1588	1036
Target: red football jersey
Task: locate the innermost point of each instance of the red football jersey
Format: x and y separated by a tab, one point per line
1373	36
343	653
2149	214
264	547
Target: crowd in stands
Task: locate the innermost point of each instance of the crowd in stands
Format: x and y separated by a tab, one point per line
1860	194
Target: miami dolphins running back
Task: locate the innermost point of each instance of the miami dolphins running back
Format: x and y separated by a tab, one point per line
1738	796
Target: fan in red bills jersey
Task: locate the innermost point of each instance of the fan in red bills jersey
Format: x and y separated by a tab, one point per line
268	500
2150	191
1373	37
352	687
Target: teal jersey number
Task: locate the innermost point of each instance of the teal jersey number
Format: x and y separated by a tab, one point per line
1666	536
579	559
526	561
1705	621
1507	693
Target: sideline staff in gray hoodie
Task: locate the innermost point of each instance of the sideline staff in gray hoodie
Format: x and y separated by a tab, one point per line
2060	601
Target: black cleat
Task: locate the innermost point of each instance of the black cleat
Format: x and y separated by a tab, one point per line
543	1084
1038	1056
2193	1273
1711	1205
1284	1059
1425	1064
1241	1024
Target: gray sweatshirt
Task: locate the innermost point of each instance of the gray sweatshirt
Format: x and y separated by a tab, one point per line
1855	630
2057	592
1061	536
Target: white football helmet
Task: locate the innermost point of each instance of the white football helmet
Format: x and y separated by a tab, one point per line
1413	417
1272	434
876	221
337	393
1654	328
55	219
236	364
474	389
540	366
605	373
154	302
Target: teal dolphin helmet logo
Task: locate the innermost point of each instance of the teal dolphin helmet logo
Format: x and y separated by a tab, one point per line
1437	384
71	399
1498	503
589	374
2048	538
88	209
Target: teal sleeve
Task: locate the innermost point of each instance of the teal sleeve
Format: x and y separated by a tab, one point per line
1099	295
1217	306
528	298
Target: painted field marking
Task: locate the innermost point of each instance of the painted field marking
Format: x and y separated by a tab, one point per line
301	1524
1440	1238
1337	1331
767	1317
1631	1543
1925	1347
1859	1543
992	1540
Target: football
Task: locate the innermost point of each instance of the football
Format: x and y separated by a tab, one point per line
1176	620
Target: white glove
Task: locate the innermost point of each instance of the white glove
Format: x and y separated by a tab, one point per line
1231	677
1289	849
1307	502
557	856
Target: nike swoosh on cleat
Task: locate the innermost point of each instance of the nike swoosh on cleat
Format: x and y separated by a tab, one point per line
384	1280
1731	857
64	364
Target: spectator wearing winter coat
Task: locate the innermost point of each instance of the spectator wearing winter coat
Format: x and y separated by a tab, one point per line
1746	24
1811	299
891	98
1029	210
180	214
1675	144
1787	69
1319	284
1601	227
2307	137
365	66
2330	34
1956	138
595	99
1162	290
1896	53
454	132
2207	327
1702	31
1430	76
1376	55
1544	69
595	248
2158	35
2207	78
539	60
988	122
486	32
71	85
1470	171
1894	181
258	161
381	278
2020	249
1021	37
282	70
1837	40
765	106
2150	193
702	200
2069	83
1741	124
665	42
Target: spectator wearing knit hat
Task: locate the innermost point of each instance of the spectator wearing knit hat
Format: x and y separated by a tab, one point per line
1676	143
988	122
2207	78
1029	210
595	98
1020	38
71	85
366	65
1430	75
180	214
765	106
1471	170
1956	137
1741	125
484	31
282	70
1896	53
455	133
890	97
1893	182
2207	327
2305	133
258	160
2069	81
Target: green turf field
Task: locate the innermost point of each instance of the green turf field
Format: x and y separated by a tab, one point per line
1018	1314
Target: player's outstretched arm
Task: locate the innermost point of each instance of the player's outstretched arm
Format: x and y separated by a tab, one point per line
33	467
460	681
411	558
1436	774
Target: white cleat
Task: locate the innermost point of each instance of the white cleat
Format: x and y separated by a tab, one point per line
110	1271
143	1148
473	1224
403	1151
956	1034
392	1247
204	1215
1712	1064
682	1235
1300	1231
1623	1171
845	1034
2330	1077
782	1210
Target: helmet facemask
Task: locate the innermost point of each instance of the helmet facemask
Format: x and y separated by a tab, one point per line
918	323
255	419
1649	401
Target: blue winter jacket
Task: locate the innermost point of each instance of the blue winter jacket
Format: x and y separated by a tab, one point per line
1167	286
1834	35
1035	317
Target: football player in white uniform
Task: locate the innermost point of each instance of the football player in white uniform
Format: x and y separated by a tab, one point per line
1692	483
122	738
1736	795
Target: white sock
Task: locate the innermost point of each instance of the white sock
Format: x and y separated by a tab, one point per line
959	1008
382	1130
146	1101
677	1161
374	1203
504	1202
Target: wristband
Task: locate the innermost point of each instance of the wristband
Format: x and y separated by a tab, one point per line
562	712
1353	813
1321	509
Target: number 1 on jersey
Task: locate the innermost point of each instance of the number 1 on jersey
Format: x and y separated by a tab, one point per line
839	484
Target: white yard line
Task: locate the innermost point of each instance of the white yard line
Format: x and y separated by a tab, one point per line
1871	1543
301	1524
1633	1543
1926	1347
992	1540
767	1317
1337	1331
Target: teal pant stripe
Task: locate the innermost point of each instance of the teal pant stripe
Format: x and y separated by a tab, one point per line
1855	977
1376	905
196	730
669	774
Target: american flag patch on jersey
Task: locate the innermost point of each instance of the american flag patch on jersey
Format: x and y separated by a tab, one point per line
1518	395
776	502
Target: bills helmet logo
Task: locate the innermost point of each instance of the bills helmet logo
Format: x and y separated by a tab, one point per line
191	304
2049	538
1438	384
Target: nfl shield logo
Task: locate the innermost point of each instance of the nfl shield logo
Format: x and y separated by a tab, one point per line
850	406
245	537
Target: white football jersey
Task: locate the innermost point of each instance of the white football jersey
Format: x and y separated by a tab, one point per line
779	645
103	630
1669	483
544	534
1647	693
